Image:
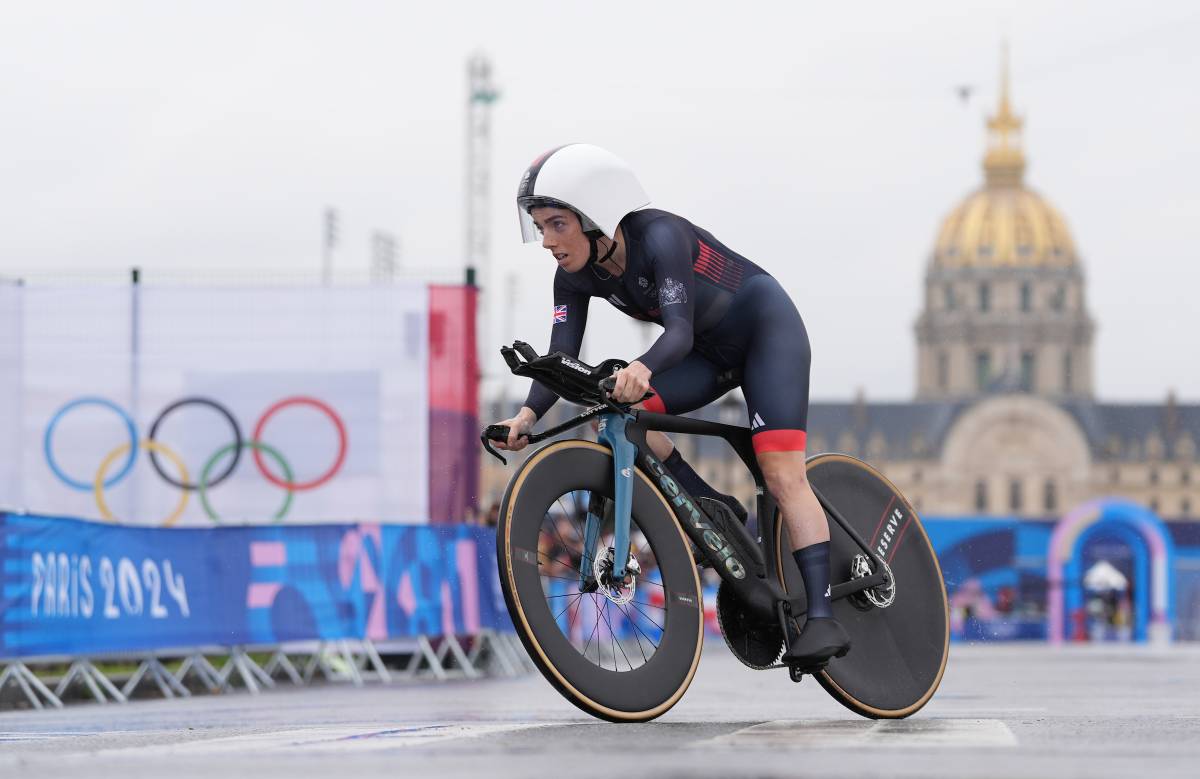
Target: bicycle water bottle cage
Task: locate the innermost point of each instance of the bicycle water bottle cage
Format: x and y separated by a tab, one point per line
564	375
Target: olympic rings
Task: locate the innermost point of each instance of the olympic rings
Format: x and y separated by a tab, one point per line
102	482
130	447
236	446
337	463
256	446
151	446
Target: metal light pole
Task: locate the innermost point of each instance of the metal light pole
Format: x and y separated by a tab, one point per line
384	254
328	243
481	94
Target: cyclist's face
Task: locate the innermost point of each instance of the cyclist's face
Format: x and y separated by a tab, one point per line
563	236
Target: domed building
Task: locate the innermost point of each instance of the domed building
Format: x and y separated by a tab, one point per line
1027	481
1005	421
1004	292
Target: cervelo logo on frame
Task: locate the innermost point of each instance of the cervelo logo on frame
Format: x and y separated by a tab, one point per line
101	481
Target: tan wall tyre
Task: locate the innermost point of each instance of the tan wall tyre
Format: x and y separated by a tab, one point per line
625	658
898	653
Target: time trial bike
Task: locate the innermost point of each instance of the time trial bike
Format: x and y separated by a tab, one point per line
600	549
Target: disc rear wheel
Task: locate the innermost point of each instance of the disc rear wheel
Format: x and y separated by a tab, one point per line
900	631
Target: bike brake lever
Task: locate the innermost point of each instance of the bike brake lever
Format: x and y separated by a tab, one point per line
494	433
607	385
510	357
525	350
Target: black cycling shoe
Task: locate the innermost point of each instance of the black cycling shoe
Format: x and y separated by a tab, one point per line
821	639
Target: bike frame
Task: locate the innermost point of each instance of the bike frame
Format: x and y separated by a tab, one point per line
625	434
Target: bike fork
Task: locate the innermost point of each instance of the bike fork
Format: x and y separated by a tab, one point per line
612	432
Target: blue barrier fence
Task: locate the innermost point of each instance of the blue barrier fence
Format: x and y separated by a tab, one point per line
70	587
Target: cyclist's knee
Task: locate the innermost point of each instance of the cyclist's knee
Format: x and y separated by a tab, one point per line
784	473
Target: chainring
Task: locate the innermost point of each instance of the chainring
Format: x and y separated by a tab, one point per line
757	644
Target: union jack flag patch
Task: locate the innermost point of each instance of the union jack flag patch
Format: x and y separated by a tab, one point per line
560	314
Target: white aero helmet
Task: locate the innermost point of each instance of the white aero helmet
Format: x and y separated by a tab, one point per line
594	183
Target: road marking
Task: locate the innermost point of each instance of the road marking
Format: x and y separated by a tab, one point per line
881	734
345	738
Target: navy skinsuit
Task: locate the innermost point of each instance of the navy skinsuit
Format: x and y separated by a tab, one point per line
726	321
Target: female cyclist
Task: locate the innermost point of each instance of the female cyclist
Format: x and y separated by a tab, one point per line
726	323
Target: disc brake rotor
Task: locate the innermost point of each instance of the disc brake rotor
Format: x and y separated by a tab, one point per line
880	596
620	593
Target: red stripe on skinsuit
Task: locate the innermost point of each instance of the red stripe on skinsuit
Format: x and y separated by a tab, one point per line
654	404
780	441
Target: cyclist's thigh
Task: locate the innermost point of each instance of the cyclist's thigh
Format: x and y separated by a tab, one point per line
693	383
775	373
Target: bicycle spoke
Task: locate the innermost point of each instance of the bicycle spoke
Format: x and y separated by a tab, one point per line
569	514
559	614
647	616
554	527
594	631
564	578
639	633
612	638
616	645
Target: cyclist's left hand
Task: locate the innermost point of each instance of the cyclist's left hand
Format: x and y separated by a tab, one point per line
632	383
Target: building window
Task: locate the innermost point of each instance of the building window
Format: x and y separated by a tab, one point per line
981	496
943	369
1014	496
1116	475
1026	296
1068	371
916	476
1058	300
1027	367
1185	508
1154	505
1185	476
1154	476
1050	496
948	291
985	297
983	369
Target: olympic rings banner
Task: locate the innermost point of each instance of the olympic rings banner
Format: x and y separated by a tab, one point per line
197	407
71	587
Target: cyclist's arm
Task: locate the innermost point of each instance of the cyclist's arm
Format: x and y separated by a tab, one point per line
670	248
566	335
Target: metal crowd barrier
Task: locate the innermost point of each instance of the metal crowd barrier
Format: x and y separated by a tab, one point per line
490	653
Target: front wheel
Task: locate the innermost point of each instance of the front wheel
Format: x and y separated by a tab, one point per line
625	652
900	634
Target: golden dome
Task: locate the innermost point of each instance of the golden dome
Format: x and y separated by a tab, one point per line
1004	227
1003	224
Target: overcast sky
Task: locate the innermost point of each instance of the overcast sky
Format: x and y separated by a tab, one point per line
822	140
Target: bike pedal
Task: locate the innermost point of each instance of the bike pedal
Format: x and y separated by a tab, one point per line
798	671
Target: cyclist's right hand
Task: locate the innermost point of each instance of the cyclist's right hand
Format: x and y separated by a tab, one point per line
518	429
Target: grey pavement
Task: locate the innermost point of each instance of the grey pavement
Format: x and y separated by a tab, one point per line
1002	711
